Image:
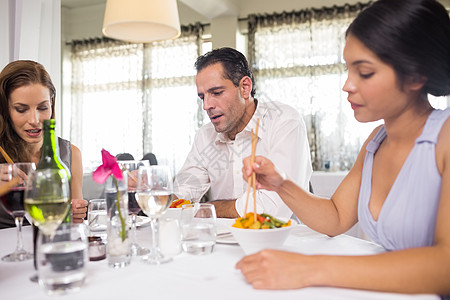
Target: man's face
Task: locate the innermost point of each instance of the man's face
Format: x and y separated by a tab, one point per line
222	101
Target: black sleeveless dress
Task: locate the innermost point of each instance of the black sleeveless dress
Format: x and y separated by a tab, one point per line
65	153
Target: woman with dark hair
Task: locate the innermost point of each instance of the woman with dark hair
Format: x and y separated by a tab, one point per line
27	97
396	52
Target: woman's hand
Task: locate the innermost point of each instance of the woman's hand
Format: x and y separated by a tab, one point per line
267	176
275	270
79	209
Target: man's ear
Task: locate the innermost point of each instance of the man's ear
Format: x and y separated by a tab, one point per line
245	87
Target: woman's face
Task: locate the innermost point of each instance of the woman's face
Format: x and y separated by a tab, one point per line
372	86
29	106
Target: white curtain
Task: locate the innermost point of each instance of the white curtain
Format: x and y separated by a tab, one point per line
135	98
297	59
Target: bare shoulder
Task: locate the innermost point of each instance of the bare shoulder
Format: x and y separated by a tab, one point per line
362	152
444	135
76	158
75	149
443	147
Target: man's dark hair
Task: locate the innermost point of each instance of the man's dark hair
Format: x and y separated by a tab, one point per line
234	63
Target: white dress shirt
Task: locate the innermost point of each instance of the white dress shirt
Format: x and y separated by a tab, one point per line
216	162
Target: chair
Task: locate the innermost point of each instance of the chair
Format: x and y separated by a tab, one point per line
151	158
124	156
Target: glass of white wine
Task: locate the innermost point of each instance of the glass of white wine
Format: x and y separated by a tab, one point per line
47	198
154	195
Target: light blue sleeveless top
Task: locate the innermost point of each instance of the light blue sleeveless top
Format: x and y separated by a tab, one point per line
408	216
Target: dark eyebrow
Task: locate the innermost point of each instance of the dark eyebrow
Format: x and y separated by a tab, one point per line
362	61
26	105
212	90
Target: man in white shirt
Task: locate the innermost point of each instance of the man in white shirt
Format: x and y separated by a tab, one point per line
226	86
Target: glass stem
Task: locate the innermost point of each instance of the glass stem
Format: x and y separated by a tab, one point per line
133	228
19	222
155	236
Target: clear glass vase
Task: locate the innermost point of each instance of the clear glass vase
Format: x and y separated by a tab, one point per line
118	250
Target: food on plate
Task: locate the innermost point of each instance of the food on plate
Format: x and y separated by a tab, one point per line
179	203
263	221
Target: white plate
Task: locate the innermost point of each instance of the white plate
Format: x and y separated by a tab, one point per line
140	221
226	239
224	235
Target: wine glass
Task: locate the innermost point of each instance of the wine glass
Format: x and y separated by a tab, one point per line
154	195
13	203
47	198
47	201
132	167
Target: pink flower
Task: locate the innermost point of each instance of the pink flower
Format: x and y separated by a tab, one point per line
109	167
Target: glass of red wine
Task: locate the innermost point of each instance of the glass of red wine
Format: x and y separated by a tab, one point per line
13	203
132	167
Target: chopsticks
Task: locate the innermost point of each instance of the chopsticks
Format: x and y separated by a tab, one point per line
251	182
129	173
6	156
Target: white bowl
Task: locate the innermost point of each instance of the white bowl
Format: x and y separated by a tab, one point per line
254	240
172	213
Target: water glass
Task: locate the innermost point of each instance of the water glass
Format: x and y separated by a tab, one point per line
198	228
97	216
62	259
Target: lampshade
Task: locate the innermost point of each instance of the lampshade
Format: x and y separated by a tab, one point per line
141	21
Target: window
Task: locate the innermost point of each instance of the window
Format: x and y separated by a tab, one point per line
135	98
297	59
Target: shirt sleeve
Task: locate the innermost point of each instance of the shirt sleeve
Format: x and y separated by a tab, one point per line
192	181
288	148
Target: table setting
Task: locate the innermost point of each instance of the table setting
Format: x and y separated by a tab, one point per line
186	252
188	275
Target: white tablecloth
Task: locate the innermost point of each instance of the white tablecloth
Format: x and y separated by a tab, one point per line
188	276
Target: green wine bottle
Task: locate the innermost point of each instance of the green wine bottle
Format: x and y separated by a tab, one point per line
50	158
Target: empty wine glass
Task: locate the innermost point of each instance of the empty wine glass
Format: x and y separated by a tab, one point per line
13	203
154	195
132	167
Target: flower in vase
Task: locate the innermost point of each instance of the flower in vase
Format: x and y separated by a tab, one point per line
110	167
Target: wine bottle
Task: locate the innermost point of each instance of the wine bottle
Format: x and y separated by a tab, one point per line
50	158
48	197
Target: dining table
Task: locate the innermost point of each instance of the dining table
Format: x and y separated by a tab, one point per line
190	276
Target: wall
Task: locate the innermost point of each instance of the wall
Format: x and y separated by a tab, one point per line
30	29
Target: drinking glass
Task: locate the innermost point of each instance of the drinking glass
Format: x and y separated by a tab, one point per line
153	194
13	203
97	217
62	259
198	228
132	167
47	198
